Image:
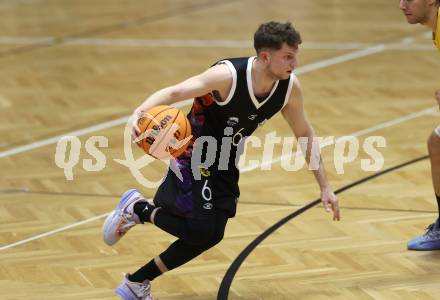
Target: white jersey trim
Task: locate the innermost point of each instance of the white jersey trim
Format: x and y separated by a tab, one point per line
289	89
251	89
234	82
437	130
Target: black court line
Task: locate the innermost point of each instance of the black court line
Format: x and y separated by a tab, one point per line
49	193
225	285
178	11
342	207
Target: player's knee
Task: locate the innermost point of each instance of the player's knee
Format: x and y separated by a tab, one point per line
200	232
214	240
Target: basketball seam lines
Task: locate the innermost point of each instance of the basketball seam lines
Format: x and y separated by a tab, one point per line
166	130
144	140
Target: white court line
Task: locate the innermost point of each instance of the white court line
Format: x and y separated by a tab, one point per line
17	2
12	40
244	170
55	139
80	132
171	43
307	68
359	133
340	59
404	45
53	231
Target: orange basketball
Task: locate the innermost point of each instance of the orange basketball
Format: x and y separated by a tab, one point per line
165	132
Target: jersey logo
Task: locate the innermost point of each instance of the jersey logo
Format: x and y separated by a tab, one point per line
205	172
232	121
252	117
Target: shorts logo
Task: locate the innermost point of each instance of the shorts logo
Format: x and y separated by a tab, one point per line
205	172
252	117
232	121
207	205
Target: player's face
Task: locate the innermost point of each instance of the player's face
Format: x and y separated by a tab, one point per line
415	11
283	61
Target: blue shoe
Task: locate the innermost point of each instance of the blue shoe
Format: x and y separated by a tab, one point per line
429	241
128	290
122	219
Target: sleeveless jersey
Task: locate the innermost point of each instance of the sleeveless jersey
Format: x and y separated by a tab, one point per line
436	33
232	120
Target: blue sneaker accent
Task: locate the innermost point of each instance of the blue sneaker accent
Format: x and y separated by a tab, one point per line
122	219
125	198
429	241
120	292
128	290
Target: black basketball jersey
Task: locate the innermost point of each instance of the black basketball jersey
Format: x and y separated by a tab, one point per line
238	116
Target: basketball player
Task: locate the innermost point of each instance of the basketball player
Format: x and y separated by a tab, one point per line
231	99
426	12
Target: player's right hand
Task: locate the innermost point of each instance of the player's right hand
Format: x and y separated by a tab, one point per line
330	203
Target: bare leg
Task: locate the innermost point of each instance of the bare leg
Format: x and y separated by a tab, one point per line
431	239
434	155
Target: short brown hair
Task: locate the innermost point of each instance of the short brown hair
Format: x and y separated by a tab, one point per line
272	35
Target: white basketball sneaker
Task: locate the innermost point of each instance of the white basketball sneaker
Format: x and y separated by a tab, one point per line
122	218
128	290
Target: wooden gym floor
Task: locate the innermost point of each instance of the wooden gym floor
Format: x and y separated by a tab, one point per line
68	66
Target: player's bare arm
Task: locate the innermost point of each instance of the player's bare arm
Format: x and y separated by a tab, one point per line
296	117
217	78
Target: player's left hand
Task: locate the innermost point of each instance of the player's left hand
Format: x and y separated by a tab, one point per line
330	202
135	131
